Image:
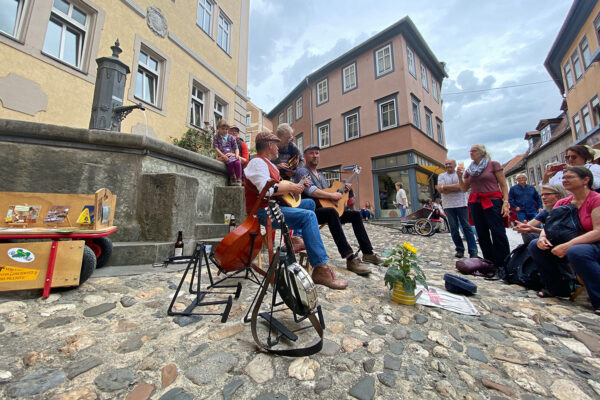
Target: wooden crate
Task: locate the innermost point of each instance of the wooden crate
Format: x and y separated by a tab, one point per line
24	265
46	201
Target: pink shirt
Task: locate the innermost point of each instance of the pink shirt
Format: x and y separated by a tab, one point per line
585	211
486	182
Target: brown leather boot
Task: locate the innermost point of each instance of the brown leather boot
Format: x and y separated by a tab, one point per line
357	267
298	244
372	258
323	275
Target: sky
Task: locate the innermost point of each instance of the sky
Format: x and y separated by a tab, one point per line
486	44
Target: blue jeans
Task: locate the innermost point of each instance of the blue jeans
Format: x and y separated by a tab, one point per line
302	218
491	231
402	211
526	215
366	214
557	276
458	217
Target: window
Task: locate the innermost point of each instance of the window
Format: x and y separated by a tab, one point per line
539	173
568	75
290	114
428	122
66	33
424	78
224	32
349	77
576	64
387	113
411	62
299	108
532	176
11	15
219	111
585	52
546	133
146	86
204	16
324	140
597	27
383	61
280	120
197	107
322	92
300	142
440	131
595	110
248	116
331	176
351	125
577	126
416	111
434	88
586	118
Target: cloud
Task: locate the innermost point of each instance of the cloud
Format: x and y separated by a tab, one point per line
486	45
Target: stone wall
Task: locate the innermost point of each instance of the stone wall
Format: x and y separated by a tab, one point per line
161	188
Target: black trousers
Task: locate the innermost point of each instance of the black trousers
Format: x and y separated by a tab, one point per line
491	231
329	216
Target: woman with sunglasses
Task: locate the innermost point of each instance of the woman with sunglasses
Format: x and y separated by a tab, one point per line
488	203
550	195
582	252
576	155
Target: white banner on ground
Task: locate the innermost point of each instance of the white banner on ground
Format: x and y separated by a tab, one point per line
440	298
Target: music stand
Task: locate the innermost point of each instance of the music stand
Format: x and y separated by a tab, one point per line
195	263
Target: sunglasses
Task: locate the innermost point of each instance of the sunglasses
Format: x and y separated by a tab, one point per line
571	157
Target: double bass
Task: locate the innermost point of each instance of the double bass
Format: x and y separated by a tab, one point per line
237	250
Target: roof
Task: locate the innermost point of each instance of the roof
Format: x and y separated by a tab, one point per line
530	134
559	131
578	14
404	26
514	164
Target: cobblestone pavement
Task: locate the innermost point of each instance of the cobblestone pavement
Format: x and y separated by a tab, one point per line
112	339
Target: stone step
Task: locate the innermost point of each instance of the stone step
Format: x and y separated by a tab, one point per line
136	253
210	230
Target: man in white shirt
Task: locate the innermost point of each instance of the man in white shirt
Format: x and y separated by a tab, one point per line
455	205
401	199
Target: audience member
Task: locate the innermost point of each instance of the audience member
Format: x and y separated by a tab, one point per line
576	155
227	151
525	199
550	195
367	211
488	203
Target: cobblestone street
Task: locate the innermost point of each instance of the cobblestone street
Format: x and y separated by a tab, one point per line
112	339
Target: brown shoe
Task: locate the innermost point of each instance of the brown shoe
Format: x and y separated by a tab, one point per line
372	258
357	267
323	275
298	244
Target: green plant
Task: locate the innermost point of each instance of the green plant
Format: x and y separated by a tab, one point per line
403	267
198	140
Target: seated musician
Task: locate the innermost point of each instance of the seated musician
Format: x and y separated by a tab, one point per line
289	157
258	172
329	215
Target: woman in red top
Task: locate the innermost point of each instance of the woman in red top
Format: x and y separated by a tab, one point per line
242	146
488	203
582	252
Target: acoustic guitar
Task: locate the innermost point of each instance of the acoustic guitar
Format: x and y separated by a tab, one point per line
292	199
339	187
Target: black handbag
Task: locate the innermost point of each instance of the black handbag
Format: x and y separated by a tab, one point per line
563	224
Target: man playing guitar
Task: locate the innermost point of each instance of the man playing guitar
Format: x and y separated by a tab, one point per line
258	172
330	216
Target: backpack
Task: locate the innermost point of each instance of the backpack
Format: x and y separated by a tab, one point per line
520	269
562	224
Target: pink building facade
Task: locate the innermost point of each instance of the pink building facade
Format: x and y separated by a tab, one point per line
378	106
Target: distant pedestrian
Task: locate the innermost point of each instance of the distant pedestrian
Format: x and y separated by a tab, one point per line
401	199
524	199
455	205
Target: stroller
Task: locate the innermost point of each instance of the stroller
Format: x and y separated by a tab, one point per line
425	222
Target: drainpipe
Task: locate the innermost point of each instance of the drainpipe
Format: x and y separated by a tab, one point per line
311	111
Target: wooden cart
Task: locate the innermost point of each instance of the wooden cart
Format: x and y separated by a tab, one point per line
50	240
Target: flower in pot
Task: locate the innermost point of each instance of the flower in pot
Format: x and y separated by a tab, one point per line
403	273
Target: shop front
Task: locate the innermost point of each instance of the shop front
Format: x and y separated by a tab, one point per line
418	175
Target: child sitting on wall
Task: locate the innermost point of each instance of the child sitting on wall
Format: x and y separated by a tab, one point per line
228	152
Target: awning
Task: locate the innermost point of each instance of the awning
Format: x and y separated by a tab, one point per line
434	169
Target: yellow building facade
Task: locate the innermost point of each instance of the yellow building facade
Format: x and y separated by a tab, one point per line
188	61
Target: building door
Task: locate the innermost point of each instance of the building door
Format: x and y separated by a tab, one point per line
386	196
